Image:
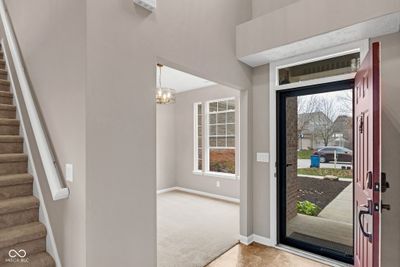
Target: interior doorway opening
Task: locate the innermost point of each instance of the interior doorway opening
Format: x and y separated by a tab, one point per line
198	168
315	169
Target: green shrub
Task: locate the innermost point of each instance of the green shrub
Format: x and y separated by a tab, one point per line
308	208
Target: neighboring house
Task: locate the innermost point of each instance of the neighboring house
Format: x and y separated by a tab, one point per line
310	128
343	131
317	130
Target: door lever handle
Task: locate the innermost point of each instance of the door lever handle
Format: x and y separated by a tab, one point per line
289	164
361	214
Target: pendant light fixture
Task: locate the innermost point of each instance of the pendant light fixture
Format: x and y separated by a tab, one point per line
164	95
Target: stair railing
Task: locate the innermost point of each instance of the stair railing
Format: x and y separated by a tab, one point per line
52	171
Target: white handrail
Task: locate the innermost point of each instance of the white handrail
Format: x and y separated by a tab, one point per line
53	178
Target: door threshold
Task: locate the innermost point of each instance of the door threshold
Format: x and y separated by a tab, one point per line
312	256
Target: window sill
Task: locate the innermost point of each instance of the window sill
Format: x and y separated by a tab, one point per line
217	175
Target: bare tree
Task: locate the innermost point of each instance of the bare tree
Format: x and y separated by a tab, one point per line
346	99
306	106
324	119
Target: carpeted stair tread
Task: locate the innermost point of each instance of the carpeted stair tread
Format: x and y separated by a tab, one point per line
17	157
14	122
11	139
37	260
15	179
17	204
4	82
22	233
6	94
7	107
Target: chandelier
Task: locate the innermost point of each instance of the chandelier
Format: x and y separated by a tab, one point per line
164	95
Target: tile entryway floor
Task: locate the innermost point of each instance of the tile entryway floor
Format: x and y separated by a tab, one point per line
256	255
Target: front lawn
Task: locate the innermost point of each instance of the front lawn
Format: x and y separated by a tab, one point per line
326	171
304	154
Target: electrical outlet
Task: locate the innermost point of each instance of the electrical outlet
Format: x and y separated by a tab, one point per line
218	184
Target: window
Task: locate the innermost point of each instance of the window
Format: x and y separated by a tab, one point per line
221	136
198	137
319	69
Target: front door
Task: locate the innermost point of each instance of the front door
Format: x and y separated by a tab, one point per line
367	167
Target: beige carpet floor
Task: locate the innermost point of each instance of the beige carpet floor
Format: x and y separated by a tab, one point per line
193	230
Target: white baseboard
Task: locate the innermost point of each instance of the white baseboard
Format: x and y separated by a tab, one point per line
165	190
200	193
247	240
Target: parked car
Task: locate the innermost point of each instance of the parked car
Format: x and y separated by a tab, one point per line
327	154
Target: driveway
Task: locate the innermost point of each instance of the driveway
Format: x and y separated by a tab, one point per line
305	163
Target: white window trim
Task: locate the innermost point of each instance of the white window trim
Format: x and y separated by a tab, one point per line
207	135
206	149
196	137
360	46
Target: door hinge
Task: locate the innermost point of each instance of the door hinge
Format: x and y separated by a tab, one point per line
376	206
376	187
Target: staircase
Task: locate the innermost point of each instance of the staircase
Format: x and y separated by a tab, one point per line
20	228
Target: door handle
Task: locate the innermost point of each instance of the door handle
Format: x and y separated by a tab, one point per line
289	164
361	214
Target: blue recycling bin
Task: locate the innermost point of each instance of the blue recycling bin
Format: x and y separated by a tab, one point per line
315	161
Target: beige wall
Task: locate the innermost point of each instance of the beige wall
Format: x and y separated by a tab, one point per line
165	146
124	44
184	145
52	37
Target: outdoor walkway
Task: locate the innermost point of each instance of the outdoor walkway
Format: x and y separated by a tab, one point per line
341	208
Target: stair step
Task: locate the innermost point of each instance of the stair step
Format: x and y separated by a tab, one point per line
16	185
11	144
16	179
38	260
6	97
8	111
4	85
9	126
12	236
31	248
18	210
13	163
3	74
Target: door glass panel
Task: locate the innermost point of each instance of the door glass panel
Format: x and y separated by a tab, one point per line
318	172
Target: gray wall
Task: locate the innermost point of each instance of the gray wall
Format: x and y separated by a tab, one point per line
165	145
304	19
184	144
261	7
124	43
52	37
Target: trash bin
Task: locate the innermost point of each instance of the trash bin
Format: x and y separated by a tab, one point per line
315	161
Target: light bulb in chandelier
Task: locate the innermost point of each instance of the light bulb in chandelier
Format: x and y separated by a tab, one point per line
164	95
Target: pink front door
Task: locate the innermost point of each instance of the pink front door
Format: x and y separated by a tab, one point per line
367	165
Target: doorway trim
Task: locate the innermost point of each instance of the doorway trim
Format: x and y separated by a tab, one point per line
360	46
